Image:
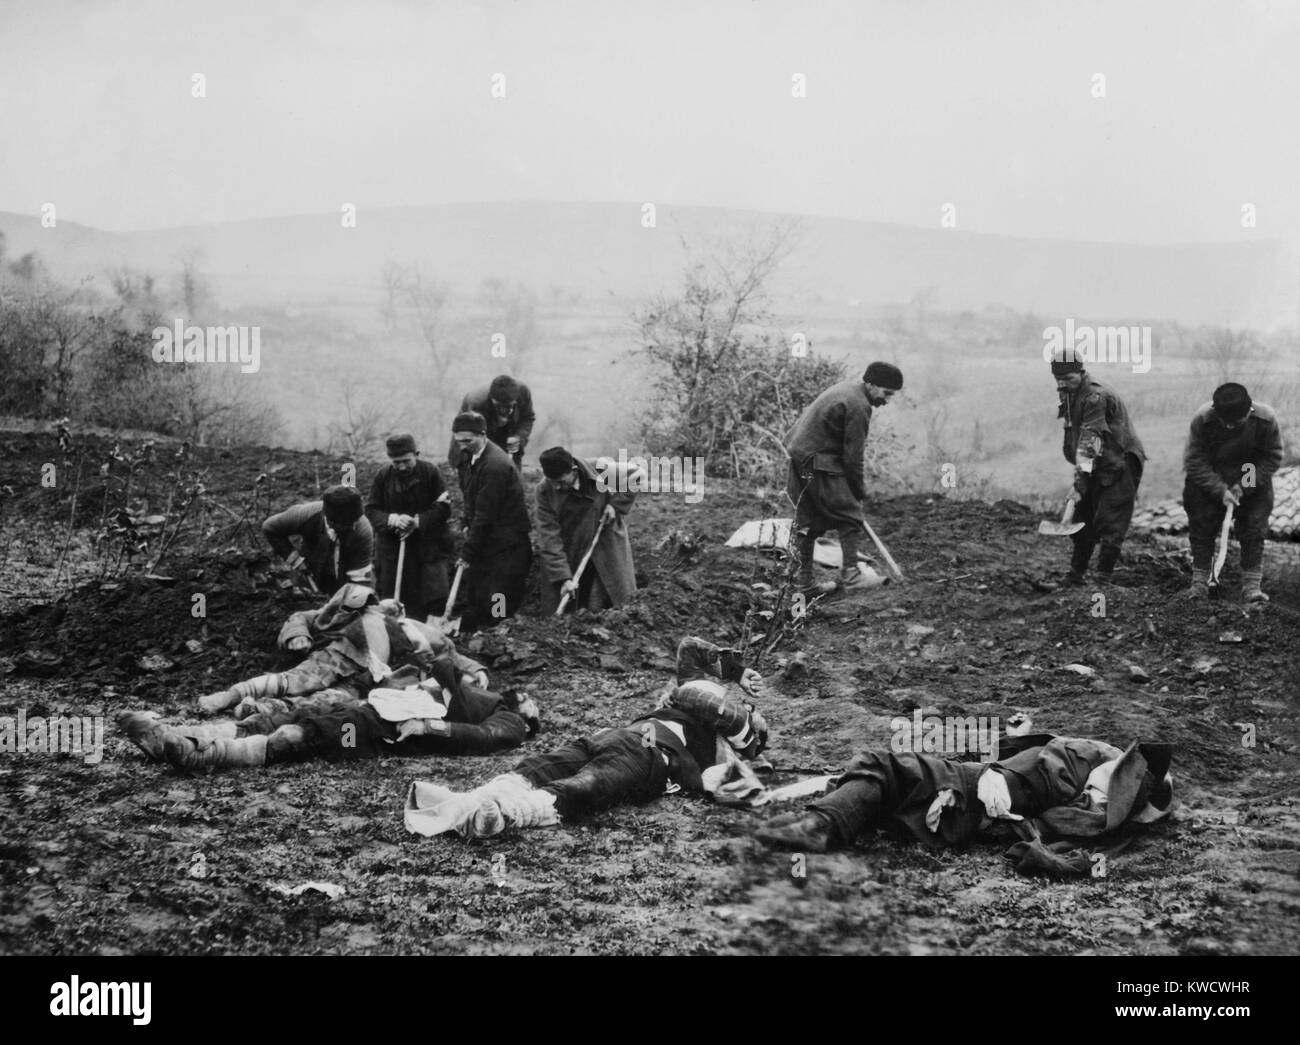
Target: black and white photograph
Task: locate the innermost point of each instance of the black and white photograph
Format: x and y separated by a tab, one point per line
651	478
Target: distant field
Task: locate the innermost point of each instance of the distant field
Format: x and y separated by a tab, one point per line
976	391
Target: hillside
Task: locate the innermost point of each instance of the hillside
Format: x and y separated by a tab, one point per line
99	859
593	250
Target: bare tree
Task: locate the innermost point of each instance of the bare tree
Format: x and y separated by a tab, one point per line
67	322
921	302
415	302
1225	352
193	290
729	383
362	429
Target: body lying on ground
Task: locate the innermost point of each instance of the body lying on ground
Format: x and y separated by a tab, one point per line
1052	792
351	636
435	703
693	740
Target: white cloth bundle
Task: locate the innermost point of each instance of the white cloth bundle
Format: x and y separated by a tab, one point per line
398	705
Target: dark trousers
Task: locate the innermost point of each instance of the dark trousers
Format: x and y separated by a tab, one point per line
1106	512
852	807
597	772
496	585
344	729
424	582
892	792
823	502
1249	520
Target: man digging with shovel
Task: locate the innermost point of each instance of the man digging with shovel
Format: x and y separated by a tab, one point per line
408	508
1233	449
581	522
495	554
1107	455
827	483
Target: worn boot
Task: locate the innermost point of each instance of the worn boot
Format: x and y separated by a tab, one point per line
218	701
1106	560
267	706
1200	586
192	755
285	744
851	575
811	588
811	833
145	731
808	584
1079	559
1250	582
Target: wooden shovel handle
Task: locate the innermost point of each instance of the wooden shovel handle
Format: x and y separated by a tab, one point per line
581	567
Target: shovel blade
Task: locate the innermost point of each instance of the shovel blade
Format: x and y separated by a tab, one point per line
1056	529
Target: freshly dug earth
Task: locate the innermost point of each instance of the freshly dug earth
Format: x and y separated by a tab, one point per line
125	856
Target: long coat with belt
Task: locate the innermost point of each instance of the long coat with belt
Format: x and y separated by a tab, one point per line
567	521
827	482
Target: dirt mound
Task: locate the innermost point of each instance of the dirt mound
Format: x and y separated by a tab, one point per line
209	620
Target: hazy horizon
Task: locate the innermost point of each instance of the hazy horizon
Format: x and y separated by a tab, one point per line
665	204
906	108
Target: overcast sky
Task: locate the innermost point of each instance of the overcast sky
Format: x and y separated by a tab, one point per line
910	105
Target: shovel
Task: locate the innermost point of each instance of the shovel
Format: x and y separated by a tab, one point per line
581	566
1065	527
452	627
1222	556
401	562
892	566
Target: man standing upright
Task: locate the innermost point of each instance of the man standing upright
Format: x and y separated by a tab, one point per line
1107	455
336	541
827	482
409	502
507	409
572	500
1233	450
496	552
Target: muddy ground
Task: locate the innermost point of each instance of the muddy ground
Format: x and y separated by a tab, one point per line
125	856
